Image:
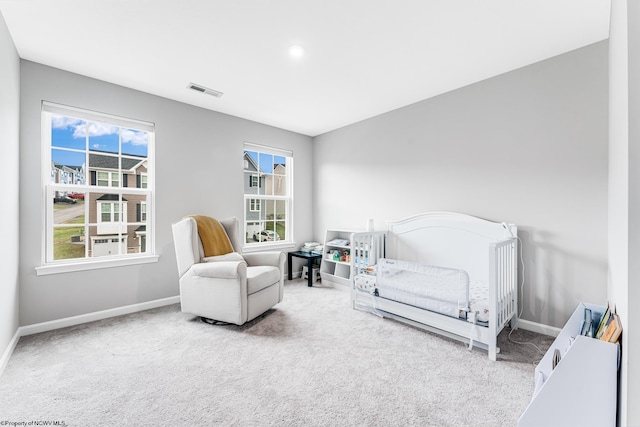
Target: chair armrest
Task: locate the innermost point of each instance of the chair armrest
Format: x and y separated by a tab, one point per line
273	258
220	270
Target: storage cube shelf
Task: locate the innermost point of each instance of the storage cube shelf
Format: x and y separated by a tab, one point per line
582	389
356	250
332	270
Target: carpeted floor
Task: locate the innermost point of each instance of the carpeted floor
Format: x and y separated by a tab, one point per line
310	361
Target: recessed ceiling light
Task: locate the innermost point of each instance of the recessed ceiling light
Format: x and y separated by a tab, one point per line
296	51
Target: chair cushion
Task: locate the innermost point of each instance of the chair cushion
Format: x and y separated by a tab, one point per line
260	277
213	236
233	256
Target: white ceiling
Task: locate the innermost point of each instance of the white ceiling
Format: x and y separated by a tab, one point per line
363	57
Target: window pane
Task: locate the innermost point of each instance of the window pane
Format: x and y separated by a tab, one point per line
281	229
250	161
134	142
280	165
252	183
67	167
270	210
281	209
252	229
102	178
265	163
105	212
268	184
252	214
68	132
68	208
279	185
103	137
68	242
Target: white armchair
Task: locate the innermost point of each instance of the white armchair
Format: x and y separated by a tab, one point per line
230	288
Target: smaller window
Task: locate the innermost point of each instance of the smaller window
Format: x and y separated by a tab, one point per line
143	180
255	181
143	212
255	205
107	179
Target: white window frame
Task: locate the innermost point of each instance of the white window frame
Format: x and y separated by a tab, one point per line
49	188
285	242
254	205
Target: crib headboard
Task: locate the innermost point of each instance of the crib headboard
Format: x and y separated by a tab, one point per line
447	239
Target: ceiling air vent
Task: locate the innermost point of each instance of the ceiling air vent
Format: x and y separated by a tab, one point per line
206	90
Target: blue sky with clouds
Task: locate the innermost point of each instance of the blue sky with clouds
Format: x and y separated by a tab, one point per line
69	132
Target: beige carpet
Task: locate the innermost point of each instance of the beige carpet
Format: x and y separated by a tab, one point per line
310	361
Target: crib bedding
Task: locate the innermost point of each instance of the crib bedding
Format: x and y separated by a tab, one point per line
443	290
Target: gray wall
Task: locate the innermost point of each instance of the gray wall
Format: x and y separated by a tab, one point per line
527	147
195	173
9	134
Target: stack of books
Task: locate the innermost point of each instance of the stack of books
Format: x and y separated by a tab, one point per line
609	328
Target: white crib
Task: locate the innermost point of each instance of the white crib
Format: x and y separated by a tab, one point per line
486	250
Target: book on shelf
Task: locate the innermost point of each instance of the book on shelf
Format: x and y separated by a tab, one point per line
614	329
587	324
604	322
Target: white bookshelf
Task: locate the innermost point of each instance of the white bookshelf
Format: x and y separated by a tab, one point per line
582	389
331	270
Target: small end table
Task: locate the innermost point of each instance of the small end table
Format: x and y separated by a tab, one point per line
310	257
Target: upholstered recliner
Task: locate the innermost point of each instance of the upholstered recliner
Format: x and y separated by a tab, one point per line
231	287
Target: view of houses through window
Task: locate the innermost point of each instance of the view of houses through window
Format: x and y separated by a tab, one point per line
267	188
98	190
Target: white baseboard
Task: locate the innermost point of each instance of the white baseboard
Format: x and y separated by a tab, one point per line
98	315
538	327
9	351
78	320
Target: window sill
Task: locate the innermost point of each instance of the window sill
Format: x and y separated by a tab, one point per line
94	264
261	247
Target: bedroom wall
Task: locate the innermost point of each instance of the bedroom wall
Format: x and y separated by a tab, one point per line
9	137
195	173
527	147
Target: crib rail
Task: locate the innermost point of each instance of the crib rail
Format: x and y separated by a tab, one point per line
503	278
367	248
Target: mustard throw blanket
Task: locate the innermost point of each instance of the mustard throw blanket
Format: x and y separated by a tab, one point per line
213	236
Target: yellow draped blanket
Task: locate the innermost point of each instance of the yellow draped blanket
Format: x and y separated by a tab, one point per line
213	236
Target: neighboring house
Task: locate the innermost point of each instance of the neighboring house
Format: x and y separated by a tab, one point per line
254	183
105	209
63	174
278	181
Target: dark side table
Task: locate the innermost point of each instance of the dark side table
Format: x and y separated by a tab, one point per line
310	257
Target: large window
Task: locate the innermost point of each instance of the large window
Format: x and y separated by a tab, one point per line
267	194
98	186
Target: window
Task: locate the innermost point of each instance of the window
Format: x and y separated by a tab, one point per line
254	205
267	194
91	162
